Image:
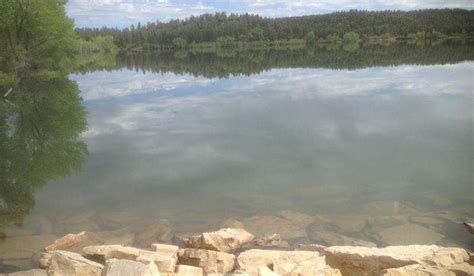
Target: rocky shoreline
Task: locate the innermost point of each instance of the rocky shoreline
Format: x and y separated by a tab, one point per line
235	251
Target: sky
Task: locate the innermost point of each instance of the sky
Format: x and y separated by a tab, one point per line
122	13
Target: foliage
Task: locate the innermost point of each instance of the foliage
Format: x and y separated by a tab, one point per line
310	38
208	28
98	44
351	37
35	34
39	141
180	43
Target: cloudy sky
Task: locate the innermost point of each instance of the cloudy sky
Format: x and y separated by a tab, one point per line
120	13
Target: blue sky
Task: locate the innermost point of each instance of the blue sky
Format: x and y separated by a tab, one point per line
121	13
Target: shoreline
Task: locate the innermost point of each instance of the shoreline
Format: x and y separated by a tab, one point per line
234	251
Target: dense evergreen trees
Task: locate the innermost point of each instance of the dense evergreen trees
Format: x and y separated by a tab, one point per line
246	27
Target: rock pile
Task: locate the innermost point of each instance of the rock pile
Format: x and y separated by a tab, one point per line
228	252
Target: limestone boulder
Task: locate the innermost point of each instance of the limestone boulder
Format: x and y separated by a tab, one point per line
210	261
72	264
363	259
101	253
32	272
164	261
224	240
417	270
281	262
187	270
163	256
115	267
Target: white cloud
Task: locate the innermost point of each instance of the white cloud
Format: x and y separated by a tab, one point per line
125	12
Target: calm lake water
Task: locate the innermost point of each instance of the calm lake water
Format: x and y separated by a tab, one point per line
371	145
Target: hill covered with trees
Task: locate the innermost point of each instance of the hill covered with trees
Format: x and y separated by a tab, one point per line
226	30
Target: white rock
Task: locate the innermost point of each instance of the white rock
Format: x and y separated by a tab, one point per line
72	264
187	270
265	271
281	261
210	261
101	253
32	272
417	270
115	267
165	262
164	256
365	259
462	269
224	240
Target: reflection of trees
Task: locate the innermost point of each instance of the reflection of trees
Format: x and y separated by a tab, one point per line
39	141
348	56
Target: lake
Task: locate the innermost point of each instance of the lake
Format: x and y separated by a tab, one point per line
366	145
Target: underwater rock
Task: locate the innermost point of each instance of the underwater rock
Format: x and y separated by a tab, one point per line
408	234
267	225
273	240
159	231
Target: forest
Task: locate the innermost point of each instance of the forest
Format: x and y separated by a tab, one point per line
228	30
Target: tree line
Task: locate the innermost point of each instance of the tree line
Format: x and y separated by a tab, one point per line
226	29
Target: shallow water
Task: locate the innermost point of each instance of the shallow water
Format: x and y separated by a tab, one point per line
353	147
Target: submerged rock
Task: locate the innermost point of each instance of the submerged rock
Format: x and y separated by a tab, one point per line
225	240
408	234
210	261
469	227
157	232
311	247
232	223
273	240
267	225
22	247
353	259
68	263
426	220
321	234
114	267
300	219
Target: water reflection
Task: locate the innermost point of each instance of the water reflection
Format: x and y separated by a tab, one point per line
228	62
40	125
